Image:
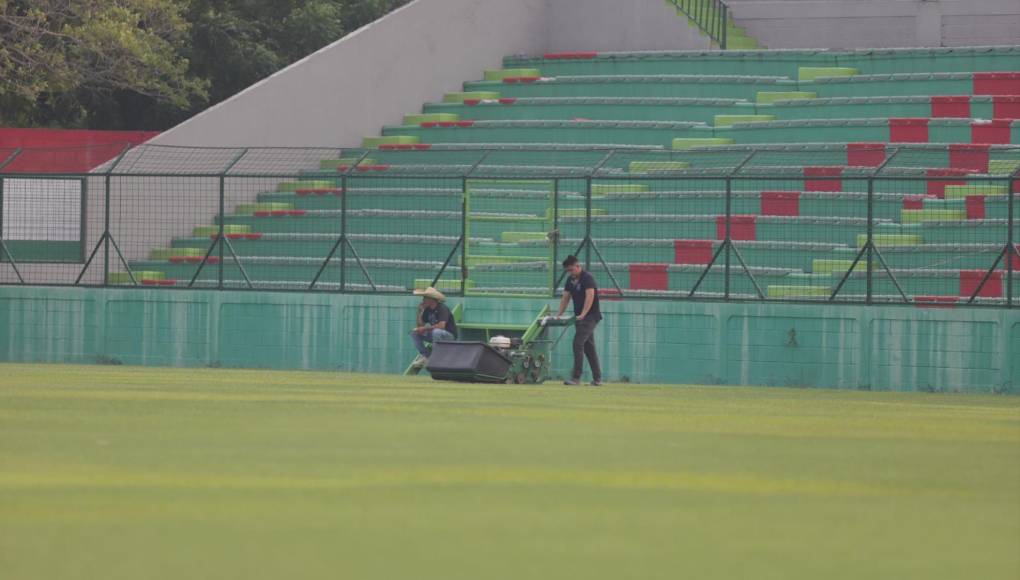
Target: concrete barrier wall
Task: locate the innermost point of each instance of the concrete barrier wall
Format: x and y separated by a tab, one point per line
879	23
852	347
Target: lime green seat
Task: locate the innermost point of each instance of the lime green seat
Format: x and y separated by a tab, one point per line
915	216
654	166
167	253
691	143
769	97
824	266
517	237
810	73
375	142
206	231
140	276
890	240
251	208
961	191
418	119
498	75
728	120
460	97
778	291
304	184
617	188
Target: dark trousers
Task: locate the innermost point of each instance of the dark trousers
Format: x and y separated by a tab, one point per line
584	346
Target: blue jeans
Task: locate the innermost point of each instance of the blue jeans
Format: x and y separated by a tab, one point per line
429	336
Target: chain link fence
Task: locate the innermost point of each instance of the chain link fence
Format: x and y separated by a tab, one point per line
929	225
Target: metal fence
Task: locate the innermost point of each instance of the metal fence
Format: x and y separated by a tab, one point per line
913	224
711	16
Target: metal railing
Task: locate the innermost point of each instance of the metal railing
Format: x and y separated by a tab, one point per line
711	16
721	224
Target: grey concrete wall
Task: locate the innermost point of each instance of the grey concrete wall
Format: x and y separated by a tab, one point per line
371	77
879	23
611	25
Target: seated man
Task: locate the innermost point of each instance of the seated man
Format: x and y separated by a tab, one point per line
435	323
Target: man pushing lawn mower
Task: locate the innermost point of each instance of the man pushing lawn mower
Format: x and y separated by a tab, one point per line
581	288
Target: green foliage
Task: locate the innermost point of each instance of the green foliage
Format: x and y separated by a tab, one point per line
149	64
236	43
57	57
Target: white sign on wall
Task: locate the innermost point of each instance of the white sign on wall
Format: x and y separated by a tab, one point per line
42	209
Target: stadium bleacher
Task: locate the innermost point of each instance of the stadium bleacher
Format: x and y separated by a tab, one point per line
803	135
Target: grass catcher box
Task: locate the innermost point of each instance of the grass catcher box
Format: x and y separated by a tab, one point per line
473	362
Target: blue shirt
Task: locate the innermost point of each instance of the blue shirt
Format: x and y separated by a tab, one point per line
441	313
578	288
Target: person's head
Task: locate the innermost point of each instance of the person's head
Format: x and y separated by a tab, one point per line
430	297
573	266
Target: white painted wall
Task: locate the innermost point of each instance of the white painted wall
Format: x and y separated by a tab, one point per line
66	274
879	23
418	53
371	77
612	25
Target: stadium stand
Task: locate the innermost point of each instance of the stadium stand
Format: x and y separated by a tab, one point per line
804	142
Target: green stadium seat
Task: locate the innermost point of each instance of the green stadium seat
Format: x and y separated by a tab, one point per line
818	124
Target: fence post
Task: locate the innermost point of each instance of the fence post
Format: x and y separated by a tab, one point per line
870	243
10	159
464	273
554	237
343	233
1	207
223	221
728	240
717	20
710	20
83	217
222	239
1011	249
106	230
587	224
725	23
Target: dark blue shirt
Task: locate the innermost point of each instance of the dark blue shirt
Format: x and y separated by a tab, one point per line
577	289
441	313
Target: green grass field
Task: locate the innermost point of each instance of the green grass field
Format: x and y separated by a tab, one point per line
126	473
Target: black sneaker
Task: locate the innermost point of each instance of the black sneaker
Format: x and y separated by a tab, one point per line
571	382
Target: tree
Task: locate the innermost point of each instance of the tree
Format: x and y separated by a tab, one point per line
57	56
149	64
235	43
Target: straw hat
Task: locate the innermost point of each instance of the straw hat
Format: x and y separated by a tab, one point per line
431	293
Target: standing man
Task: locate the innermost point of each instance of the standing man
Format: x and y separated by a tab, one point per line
582	289
435	323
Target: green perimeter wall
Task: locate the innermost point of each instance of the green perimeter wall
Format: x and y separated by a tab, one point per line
880	348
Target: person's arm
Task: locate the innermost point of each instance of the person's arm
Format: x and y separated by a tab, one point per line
589	299
563	303
420	323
